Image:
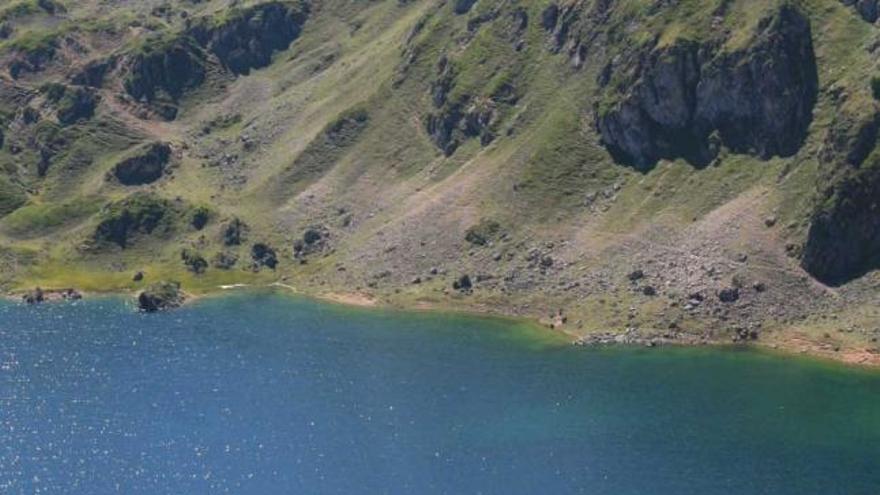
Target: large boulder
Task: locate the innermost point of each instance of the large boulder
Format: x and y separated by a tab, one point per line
689	99
160	297
145	167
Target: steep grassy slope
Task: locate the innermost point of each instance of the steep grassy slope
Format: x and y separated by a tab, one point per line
689	170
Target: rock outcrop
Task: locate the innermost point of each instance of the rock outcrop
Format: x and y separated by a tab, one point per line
688	99
462	6
34	58
454	121
145	167
160	297
234	232
164	68
38	295
77	104
169	67
575	26
851	138
263	255
461	121
868	9
247	38
193	261
843	241
241	39
141	214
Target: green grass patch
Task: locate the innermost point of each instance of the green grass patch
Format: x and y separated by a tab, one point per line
43	219
11	197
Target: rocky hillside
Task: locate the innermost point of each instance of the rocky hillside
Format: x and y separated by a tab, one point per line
638	170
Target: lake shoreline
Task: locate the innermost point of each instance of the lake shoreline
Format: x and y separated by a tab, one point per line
787	345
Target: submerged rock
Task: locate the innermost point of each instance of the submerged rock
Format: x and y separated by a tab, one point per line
161	296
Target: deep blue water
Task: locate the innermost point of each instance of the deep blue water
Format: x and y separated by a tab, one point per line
267	394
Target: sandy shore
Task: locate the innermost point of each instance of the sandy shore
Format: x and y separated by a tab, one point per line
350	299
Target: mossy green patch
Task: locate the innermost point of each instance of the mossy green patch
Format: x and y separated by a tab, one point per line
42	219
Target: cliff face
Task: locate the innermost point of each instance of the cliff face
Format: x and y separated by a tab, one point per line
843	241
688	99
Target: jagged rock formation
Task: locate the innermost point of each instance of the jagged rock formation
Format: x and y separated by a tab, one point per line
146	167
688	99
466	117
575	26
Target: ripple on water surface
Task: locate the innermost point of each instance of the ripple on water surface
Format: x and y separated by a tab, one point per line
260	393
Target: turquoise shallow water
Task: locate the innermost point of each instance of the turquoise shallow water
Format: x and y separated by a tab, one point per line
266	394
